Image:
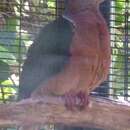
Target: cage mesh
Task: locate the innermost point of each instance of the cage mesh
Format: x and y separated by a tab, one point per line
21	20
120	65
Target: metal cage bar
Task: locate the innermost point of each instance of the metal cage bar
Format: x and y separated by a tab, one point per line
21	20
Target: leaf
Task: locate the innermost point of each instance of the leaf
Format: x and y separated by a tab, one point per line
7	56
120	9
7	92
51	3
7	83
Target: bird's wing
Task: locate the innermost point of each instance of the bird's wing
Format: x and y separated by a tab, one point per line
47	56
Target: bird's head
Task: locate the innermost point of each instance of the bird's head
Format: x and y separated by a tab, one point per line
75	6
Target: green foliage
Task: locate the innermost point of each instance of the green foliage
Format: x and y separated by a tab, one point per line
120	11
14	44
4	71
7	93
11	24
119	46
15	40
51	4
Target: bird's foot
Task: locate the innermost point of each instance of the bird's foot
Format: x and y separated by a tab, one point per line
70	101
83	100
79	100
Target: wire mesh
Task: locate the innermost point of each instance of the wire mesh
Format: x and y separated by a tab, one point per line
21	20
119	30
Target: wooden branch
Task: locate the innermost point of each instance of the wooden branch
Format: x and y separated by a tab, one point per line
101	113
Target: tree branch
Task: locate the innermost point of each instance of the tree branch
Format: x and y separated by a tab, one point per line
101	113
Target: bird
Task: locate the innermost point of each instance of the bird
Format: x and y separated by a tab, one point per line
70	57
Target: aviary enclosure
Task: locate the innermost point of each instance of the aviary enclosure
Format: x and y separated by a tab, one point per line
20	22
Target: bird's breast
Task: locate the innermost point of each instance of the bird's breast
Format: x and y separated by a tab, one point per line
85	42
90	50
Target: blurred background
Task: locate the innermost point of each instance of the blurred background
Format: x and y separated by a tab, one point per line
20	22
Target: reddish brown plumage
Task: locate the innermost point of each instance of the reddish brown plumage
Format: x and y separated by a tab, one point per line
90	54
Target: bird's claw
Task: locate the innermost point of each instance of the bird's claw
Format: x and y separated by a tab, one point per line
83	100
79	100
70	101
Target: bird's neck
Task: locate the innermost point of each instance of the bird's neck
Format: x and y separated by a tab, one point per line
76	6
74	11
69	14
